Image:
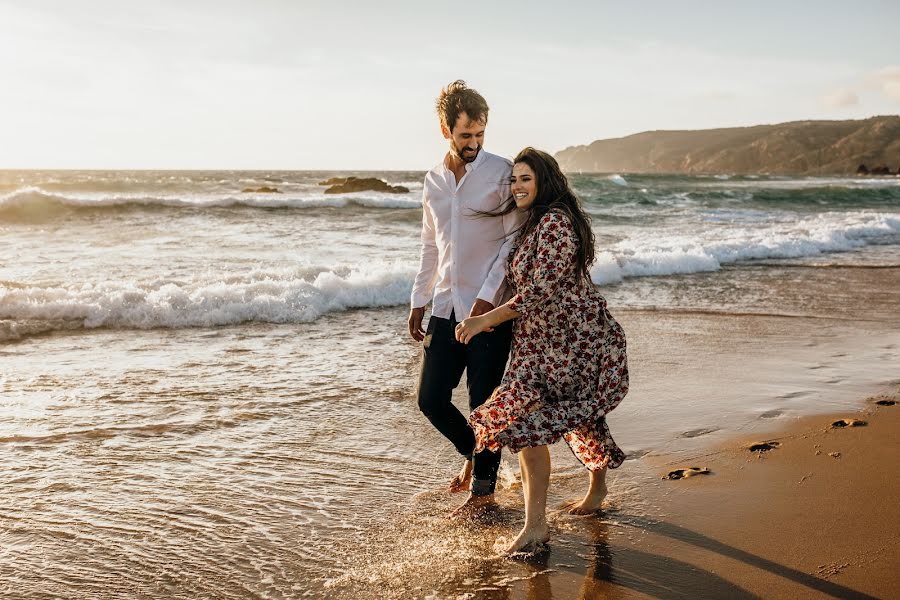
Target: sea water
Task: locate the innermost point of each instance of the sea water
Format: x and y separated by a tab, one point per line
209	392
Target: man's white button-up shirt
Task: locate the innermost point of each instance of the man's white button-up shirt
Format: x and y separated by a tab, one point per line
464	254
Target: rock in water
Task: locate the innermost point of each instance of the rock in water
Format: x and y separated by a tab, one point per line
261	190
364	184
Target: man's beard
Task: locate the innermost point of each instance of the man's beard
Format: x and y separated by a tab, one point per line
466	157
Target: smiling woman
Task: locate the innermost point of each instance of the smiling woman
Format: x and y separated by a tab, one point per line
568	367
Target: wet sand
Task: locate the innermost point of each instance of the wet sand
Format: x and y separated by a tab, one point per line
790	522
814	516
236	463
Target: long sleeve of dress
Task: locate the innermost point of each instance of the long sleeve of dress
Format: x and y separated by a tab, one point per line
552	262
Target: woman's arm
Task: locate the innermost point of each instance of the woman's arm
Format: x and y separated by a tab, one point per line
472	326
553	263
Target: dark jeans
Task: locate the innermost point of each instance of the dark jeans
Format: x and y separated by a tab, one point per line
484	360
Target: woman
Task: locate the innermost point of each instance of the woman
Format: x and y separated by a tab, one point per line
568	366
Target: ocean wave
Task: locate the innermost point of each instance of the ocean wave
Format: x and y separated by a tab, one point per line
304	293
658	253
298	296
34	202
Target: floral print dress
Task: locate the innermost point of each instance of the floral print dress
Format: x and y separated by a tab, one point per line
568	367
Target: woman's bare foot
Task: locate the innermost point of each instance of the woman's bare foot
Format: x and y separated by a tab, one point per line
529	540
462	480
593	500
474	506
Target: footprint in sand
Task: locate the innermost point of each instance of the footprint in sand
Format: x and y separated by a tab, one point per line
698	432
791	395
635	454
764	446
771	414
689	472
849	423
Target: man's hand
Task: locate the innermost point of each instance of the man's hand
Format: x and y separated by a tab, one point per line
480	307
415	324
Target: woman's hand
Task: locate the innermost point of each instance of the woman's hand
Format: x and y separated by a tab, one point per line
471	327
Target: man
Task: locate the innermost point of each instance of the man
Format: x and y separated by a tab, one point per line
462	272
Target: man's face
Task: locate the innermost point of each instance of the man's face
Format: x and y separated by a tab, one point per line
466	138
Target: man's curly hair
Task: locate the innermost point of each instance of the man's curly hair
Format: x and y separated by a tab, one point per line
458	98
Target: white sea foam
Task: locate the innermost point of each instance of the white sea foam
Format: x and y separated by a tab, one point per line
655	253
304	293
617	179
34	200
805	183
303	296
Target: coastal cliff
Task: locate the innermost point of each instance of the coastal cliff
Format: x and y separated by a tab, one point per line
795	148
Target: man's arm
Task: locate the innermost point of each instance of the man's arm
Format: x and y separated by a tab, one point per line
423	287
494	285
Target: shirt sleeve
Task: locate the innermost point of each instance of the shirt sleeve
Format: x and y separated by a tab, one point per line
552	262
423	287
494	287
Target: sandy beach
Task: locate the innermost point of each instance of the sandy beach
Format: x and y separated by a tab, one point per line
815	515
801	506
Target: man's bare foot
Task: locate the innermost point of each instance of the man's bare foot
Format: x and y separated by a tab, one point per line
530	540
463	479
591	503
474	506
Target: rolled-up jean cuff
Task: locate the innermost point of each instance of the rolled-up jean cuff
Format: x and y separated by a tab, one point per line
483	487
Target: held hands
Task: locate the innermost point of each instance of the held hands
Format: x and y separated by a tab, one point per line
471	327
475	324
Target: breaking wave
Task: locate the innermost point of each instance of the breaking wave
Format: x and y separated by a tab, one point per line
295	296
34	202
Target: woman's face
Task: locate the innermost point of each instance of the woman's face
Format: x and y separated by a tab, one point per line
523	185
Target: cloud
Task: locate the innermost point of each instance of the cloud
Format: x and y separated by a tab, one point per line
841	99
888	79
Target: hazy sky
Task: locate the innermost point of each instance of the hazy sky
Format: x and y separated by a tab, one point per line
280	84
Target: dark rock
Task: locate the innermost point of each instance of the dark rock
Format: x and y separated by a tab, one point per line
365	184
880	170
261	190
862	170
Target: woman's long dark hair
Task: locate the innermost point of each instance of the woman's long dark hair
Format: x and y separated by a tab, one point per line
553	193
